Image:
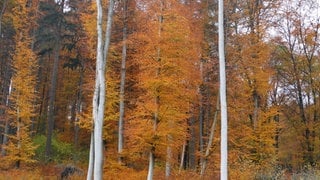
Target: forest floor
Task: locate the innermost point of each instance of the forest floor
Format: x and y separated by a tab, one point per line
53	172
38	172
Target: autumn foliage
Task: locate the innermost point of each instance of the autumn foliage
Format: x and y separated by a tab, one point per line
170	87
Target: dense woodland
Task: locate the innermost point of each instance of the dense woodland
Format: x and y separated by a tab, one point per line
162	87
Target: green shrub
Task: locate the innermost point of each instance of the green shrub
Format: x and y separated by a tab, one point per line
61	151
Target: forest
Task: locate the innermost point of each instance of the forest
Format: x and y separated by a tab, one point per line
149	69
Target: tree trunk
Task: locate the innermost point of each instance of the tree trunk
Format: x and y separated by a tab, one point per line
182	158
192	144
18	137
78	111
169	156
122	81
7	123
100	91
52	97
4	6
151	166
256	109
98	101
5	138
157	98
201	111
223	98
91	158
210	141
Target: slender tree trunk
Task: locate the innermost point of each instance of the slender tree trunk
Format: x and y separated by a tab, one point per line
100	90
53	87
78	111
7	123
157	99
91	158
18	137
79	107
255	110
182	158
122	81
210	141
223	98
98	101
151	166
192	144
4	6
5	137
169	156
201	111
201	117
52	97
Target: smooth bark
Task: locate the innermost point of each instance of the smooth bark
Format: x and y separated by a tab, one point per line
91	159
210	141
122	81
151	166
100	91
182	156
223	98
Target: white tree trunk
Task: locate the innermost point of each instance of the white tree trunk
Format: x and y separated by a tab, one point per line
91	159
151	165
223	99
100	91
182	156
210	141
122	81
99	98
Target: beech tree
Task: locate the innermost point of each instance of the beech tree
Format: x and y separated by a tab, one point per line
122	79
223	98
96	146
165	57
20	147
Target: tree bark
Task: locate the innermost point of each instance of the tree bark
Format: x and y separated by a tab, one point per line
4	6
201	112
91	158
192	144
210	141
52	97
100	91
182	158
223	98
151	166
7	123
157	98
122	81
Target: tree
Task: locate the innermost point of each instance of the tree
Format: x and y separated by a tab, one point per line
223	98
20	147
96	159
296	64
7	42
122	79
3	9
166	57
